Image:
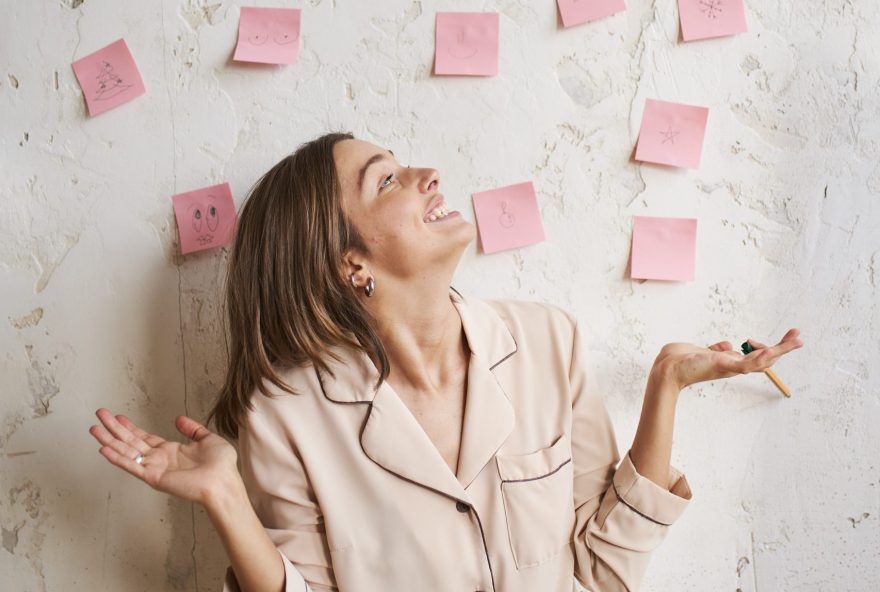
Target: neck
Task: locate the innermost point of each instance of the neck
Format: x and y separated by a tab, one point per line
422	334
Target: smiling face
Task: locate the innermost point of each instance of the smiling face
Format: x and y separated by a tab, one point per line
399	211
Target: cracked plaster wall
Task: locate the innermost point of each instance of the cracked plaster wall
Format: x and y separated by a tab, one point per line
98	309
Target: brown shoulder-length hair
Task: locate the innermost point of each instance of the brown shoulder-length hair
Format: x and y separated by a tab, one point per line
287	300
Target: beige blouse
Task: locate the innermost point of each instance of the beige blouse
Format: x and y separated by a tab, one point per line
357	498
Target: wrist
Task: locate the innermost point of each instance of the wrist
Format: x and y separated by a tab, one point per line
225	494
663	380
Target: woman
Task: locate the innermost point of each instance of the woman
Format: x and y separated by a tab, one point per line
396	435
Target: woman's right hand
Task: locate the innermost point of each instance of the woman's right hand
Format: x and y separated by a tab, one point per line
192	471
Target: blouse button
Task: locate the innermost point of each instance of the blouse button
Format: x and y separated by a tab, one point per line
462	507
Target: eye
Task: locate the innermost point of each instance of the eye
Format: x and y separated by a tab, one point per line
213	218
197	220
388	178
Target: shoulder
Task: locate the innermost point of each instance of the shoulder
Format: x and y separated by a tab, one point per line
277	408
535	321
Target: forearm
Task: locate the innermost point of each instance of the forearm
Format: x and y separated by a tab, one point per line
651	449
257	565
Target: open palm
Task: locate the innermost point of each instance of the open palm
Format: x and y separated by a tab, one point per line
686	363
190	471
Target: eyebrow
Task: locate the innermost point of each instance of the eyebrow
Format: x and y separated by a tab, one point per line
372	160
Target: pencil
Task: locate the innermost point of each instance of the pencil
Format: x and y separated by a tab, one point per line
747	349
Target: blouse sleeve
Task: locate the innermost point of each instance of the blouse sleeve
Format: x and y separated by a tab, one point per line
283	499
620	515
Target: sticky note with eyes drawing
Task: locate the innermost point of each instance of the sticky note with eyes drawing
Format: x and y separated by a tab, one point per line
672	134
268	35
205	218
508	217
466	44
108	77
703	19
664	248
576	12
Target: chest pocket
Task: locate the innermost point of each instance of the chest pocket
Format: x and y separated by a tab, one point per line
537	492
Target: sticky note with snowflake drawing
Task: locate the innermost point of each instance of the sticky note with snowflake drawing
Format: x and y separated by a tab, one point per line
703	19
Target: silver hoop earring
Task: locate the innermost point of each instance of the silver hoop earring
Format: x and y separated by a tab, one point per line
353	282
371	285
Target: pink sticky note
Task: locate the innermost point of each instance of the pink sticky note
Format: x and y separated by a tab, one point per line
664	248
205	217
268	35
467	43
508	217
575	12
701	19
672	134
108	77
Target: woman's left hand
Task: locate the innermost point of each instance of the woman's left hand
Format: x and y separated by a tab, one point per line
685	363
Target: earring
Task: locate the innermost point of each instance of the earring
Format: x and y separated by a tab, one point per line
371	285
353	282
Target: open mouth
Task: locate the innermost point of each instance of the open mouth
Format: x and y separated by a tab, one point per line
438	211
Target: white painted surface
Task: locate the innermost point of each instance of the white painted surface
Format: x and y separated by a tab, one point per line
98	310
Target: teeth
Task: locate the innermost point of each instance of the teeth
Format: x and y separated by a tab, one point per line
437	213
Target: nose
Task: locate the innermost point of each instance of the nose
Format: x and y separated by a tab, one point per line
430	180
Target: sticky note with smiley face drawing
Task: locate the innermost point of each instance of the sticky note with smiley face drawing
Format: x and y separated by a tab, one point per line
508	217
268	35
576	12
205	218
467	44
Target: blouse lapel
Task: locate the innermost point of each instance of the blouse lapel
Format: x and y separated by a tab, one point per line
394	439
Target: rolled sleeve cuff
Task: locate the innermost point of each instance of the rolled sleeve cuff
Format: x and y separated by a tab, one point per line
645	497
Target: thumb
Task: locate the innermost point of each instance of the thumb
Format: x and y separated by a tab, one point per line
191	428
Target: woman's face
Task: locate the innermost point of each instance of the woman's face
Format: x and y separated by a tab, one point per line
392	207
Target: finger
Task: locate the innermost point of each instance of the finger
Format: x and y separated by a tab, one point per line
151	439
118	446
191	428
721	346
123	462
120	431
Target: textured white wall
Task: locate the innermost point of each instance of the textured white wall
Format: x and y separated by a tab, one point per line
99	310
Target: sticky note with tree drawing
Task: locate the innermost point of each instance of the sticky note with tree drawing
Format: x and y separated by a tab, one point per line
108	77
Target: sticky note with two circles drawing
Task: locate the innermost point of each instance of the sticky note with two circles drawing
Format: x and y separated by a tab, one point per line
268	35
576	12
108	77
703	19
466	43
205	217
508	217
664	248
672	134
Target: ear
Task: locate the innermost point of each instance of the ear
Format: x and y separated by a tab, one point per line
354	264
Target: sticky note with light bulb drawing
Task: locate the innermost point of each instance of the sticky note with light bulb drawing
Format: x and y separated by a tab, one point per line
205	218
508	217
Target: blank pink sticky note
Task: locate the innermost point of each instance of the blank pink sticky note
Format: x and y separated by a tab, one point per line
108	77
467	43
664	248
268	35
508	217
701	19
205	217
575	12
672	134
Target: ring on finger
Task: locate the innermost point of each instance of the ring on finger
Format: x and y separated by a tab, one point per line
139	459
